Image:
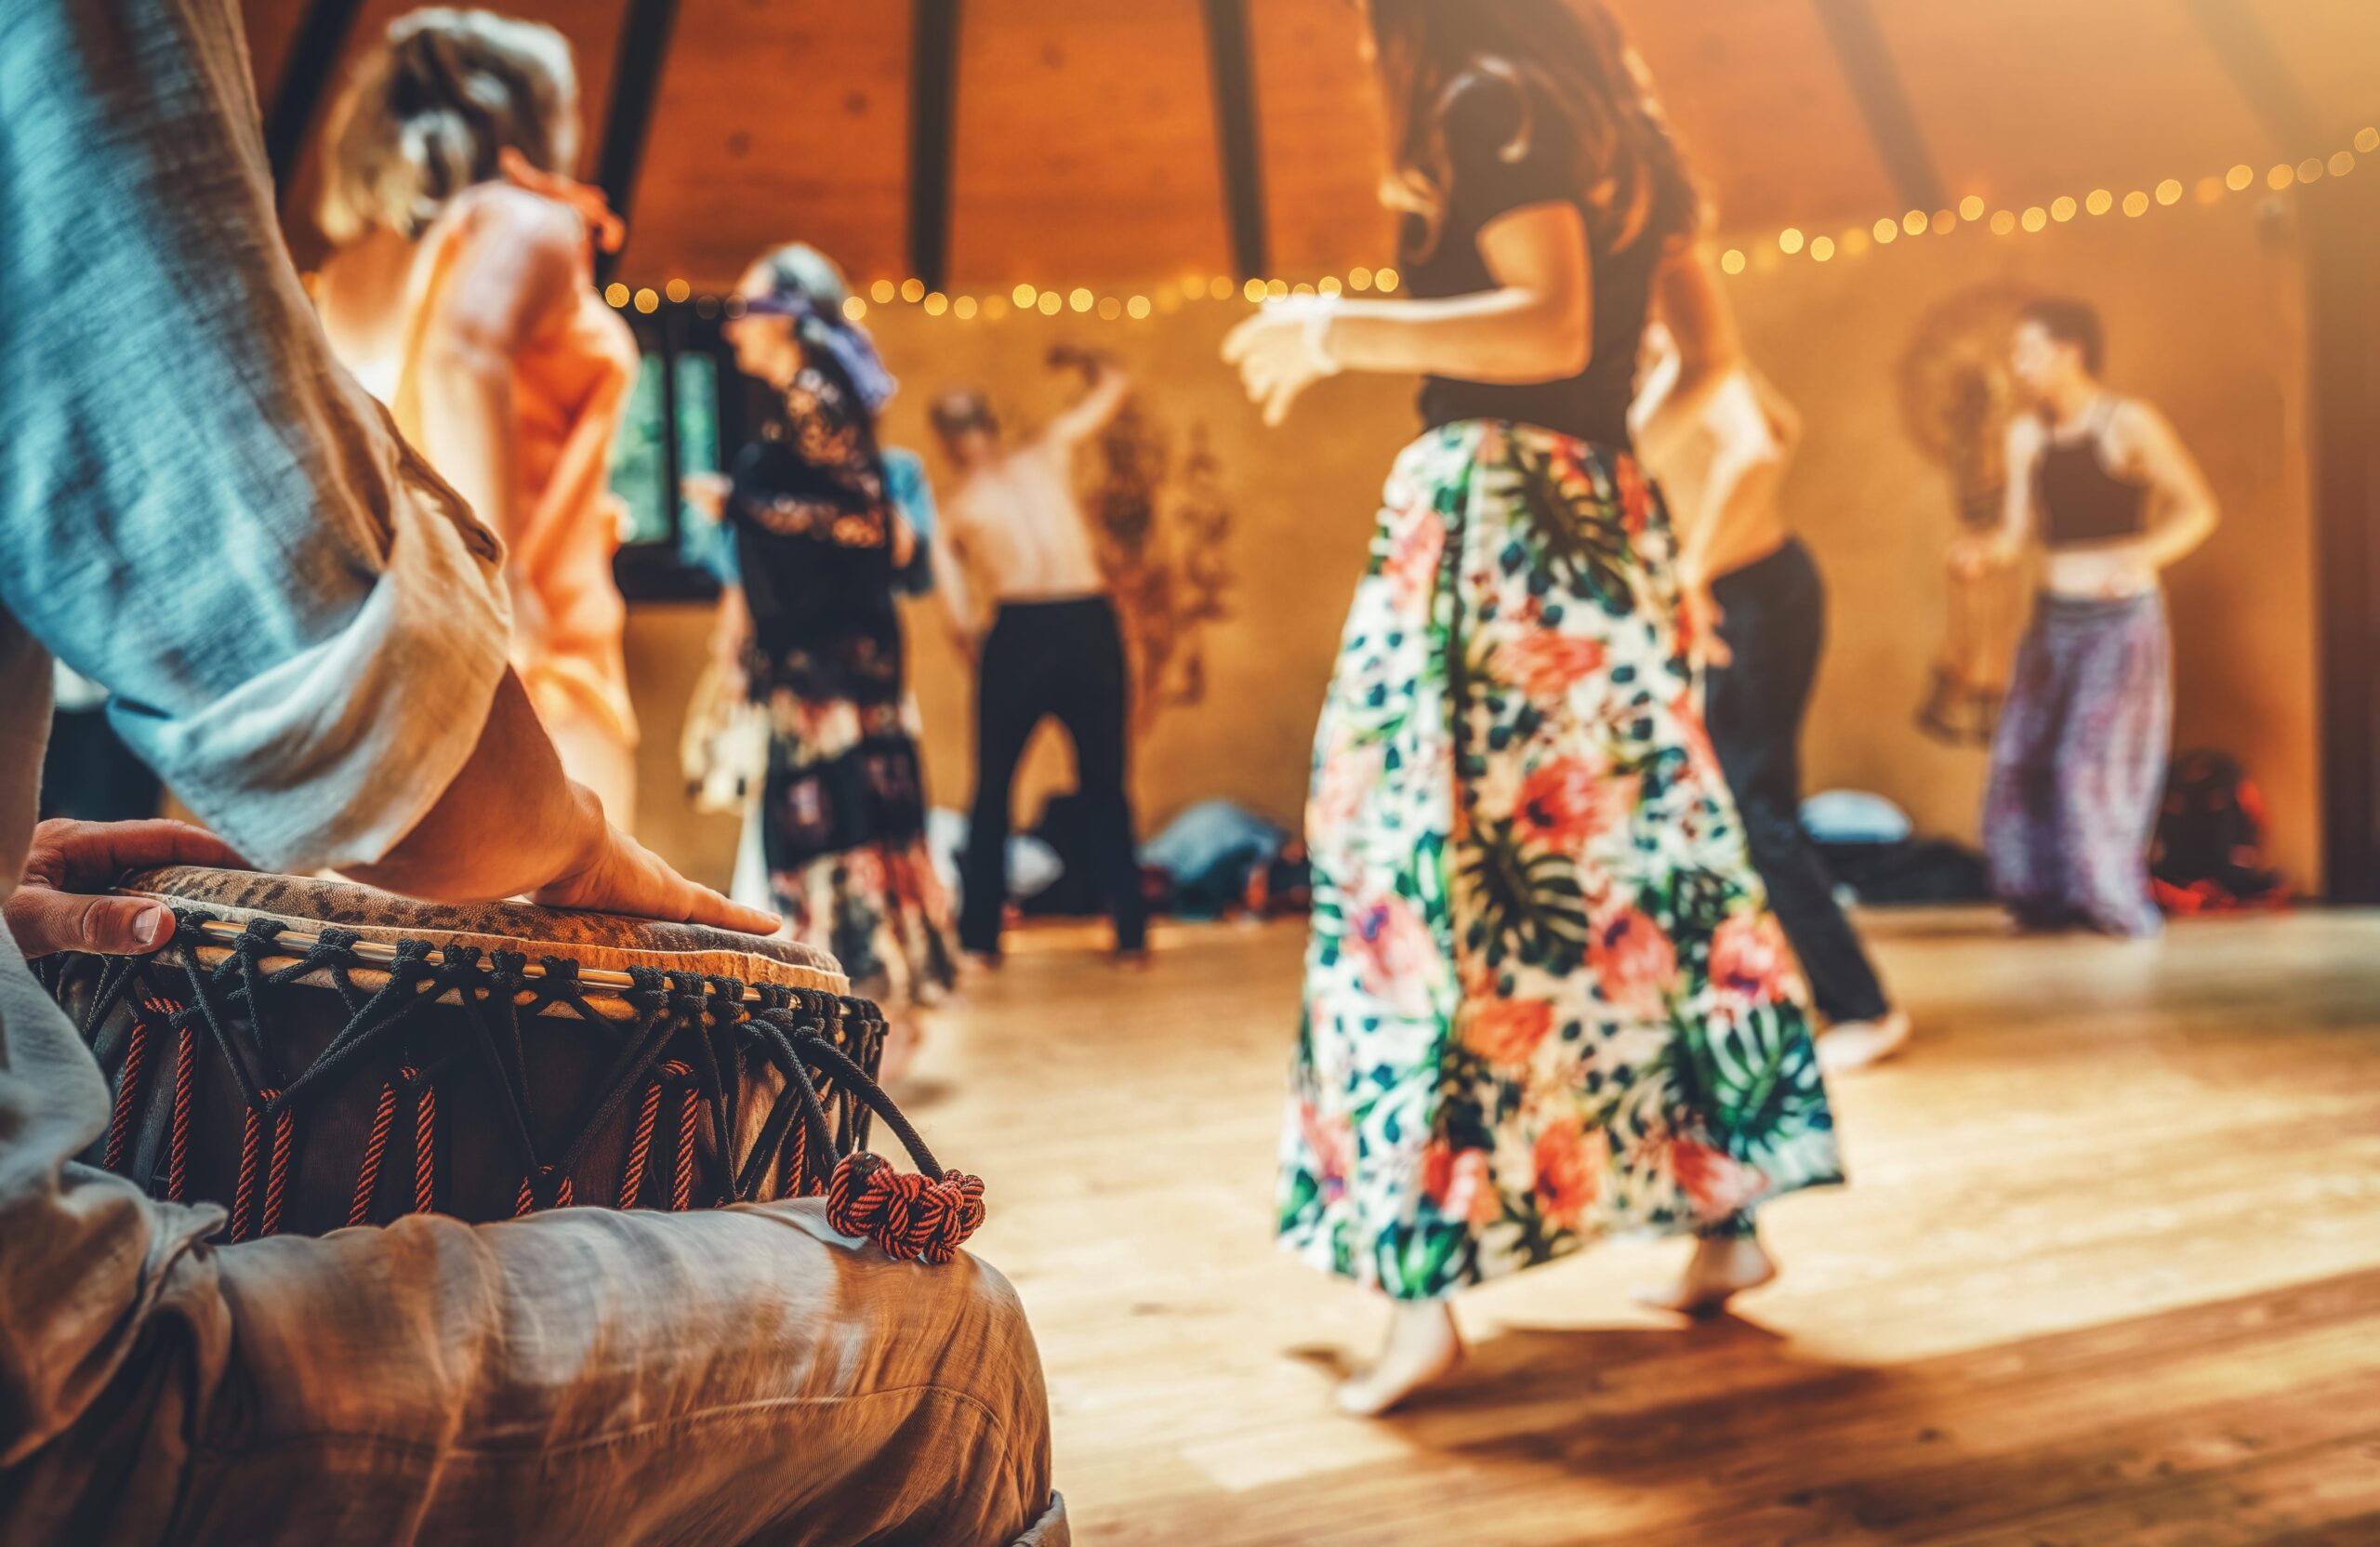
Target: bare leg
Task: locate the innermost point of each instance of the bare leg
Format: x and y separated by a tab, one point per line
1423	1345
1725	1264
1850	1045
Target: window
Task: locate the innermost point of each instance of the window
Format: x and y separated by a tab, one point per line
684	416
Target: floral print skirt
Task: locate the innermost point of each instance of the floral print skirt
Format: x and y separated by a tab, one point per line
1545	1000
842	851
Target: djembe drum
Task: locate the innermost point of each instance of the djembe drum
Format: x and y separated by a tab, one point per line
315	1055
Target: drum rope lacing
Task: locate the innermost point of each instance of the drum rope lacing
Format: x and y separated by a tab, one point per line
924	1216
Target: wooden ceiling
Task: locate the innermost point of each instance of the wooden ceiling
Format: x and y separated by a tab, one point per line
1085	144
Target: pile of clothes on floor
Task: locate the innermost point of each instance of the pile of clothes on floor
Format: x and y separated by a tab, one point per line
1215	860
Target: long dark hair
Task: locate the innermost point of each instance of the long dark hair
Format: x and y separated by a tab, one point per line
1633	181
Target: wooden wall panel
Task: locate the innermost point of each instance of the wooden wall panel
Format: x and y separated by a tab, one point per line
1756	98
1319	116
777	121
1087	146
2333	49
2026	99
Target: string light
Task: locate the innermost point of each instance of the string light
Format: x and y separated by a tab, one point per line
1854	240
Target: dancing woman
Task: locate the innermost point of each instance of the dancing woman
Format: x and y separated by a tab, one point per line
463	295
810	626
2102	483
1545	1000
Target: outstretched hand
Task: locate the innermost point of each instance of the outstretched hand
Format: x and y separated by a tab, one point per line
61	904
1277	353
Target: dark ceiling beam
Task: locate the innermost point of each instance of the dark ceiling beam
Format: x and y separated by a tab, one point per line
305	80
1231	62
2250	57
1884	100
933	129
645	30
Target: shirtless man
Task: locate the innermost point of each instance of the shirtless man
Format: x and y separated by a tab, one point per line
1014	533
1759	610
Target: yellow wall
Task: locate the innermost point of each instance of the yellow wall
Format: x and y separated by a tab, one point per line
2205	319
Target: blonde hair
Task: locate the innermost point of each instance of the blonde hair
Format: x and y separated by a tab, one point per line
430	111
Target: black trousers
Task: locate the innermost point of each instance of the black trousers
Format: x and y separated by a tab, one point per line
1775	623
1043	659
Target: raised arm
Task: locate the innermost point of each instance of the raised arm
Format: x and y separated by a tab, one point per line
1110	385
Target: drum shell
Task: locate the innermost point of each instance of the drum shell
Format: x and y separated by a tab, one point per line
476	1172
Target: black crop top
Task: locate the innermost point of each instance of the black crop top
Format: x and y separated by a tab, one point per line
2082	501
1484	113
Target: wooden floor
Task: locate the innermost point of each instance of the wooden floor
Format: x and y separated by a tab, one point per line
2108	1272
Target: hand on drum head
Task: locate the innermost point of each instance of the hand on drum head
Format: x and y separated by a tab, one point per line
58	906
626	877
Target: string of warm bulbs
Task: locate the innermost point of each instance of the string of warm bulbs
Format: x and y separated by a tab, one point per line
1973	210
1792	242
1163	300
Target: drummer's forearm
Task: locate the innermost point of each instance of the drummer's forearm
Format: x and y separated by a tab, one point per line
508	823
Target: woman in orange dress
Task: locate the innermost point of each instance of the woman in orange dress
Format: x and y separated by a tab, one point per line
463	295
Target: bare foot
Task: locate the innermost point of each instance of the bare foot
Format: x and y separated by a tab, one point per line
1858	1044
1135	961
1721	1269
1424	1345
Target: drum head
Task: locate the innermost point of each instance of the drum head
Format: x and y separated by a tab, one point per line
598	942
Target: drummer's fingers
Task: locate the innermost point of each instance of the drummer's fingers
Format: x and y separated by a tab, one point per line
45	922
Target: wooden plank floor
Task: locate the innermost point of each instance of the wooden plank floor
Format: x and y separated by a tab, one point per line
2108	1271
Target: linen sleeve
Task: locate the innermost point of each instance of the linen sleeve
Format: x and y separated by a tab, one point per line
301	626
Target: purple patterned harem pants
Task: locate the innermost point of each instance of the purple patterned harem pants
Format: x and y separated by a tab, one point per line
2078	768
